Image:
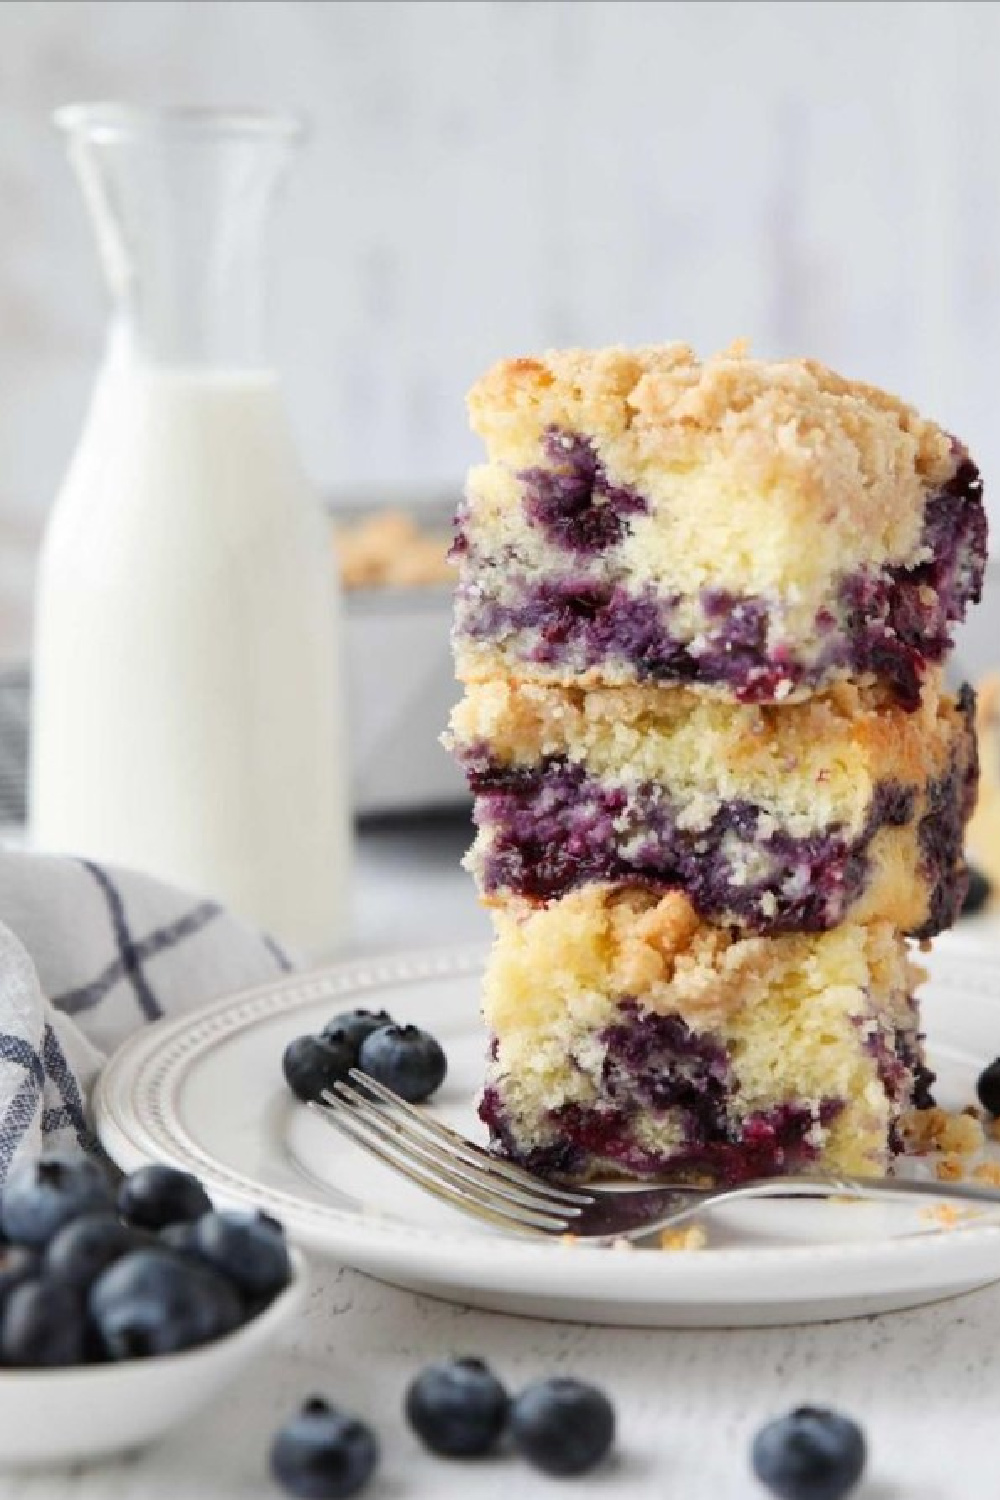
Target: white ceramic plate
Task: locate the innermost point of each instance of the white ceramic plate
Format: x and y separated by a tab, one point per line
207	1094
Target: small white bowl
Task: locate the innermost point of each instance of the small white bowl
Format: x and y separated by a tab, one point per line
50	1417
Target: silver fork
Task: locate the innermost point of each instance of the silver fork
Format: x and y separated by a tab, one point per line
469	1178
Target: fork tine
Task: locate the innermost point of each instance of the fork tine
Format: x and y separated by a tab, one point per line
365	1127
398	1134
338	1119
467	1150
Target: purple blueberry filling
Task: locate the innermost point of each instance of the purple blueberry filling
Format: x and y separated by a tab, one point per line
552	828
950	802
573	501
658	1065
890	624
902	1071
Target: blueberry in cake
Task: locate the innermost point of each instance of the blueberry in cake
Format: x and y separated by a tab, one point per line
753	529
627	1036
790	818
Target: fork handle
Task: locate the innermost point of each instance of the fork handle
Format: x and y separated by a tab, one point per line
862	1187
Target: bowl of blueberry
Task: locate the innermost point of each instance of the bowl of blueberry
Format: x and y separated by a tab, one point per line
125	1308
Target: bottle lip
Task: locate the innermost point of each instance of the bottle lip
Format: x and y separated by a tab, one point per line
112	121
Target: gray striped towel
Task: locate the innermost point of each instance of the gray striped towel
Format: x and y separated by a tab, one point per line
87	954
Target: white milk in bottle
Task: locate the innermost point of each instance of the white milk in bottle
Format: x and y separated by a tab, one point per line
187	714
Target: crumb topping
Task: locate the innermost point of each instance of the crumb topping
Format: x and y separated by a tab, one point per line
784	422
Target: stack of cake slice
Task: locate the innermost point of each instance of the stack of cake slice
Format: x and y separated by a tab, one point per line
701	622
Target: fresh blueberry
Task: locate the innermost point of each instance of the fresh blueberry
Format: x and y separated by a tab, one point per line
405	1059
988	1087
17	1264
83	1248
314	1063
563	1426
156	1195
458	1409
248	1249
355	1025
152	1302
812	1454
41	1196
322	1454
979	892
44	1324
182	1238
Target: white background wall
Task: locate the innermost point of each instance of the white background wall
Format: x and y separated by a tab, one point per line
487	178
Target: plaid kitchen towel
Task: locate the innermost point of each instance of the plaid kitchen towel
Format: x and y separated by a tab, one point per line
87	954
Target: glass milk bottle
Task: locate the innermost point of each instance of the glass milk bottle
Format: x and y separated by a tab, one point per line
187	715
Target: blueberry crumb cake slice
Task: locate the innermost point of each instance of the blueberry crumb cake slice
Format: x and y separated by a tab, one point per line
754	529
770	818
629	1038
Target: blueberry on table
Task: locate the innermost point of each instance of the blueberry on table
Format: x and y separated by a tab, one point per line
153	1302
563	1426
811	1454
41	1196
458	1409
323	1454
988	1087
313	1063
407	1060
979	892
247	1248
44	1325
83	1248
157	1195
356	1025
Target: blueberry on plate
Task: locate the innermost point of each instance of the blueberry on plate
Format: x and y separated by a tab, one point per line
314	1063
44	1325
323	1454
41	1196
247	1248
356	1025
563	1426
407	1060
979	891
458	1409
79	1251
153	1302
811	1454
988	1088
157	1195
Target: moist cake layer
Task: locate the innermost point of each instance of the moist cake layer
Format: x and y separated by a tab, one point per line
752	529
628	1038
769	818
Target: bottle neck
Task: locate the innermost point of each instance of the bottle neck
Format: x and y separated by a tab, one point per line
181	203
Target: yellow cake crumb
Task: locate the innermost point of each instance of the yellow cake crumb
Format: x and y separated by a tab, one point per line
693	1237
962	1135
988	1173
944	1215
935	1129
949	1169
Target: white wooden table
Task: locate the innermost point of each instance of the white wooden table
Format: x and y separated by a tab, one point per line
924	1384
